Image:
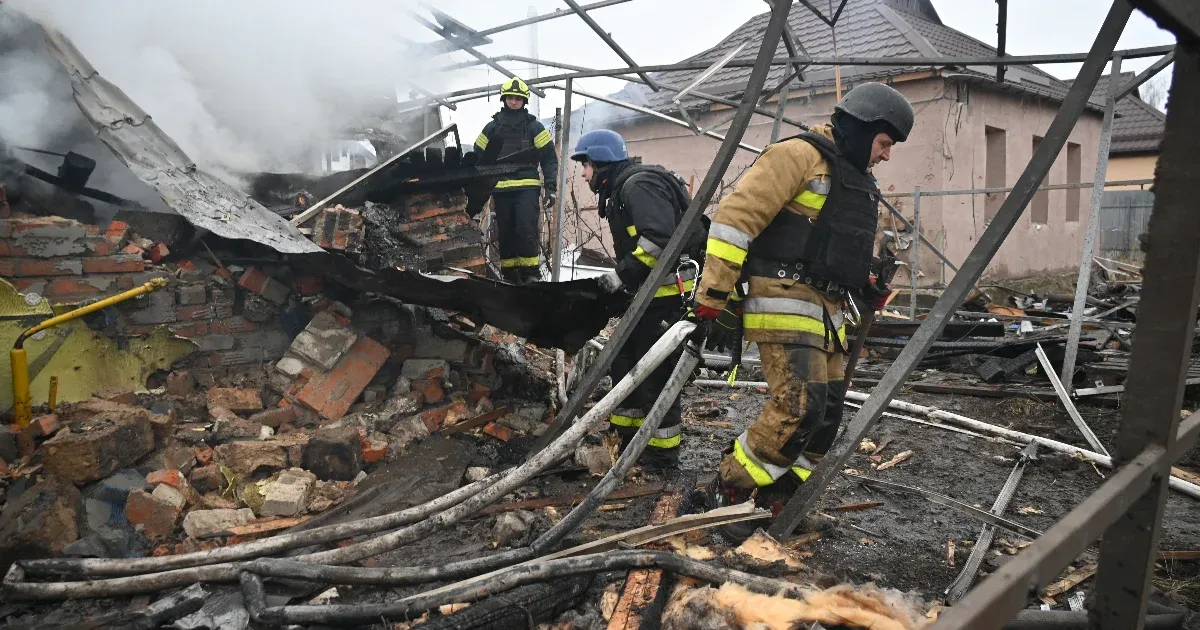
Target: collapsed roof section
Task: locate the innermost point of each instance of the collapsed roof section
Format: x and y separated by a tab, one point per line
131	134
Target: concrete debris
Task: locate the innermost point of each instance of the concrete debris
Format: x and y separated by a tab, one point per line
326	494
169	495
288	494
98	447
477	473
334	454
246	457
41	522
512	527
174	479
206	479
405	432
155	515
595	457
235	399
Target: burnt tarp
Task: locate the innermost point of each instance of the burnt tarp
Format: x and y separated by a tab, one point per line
549	314
204	200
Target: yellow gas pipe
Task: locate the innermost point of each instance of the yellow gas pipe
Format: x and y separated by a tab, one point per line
22	405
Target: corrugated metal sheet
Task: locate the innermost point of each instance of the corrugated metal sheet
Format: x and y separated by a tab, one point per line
152	156
1124	215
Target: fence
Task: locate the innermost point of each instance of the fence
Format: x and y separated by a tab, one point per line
1124	215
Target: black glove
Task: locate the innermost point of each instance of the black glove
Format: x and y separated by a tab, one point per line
549	199
726	330
704	325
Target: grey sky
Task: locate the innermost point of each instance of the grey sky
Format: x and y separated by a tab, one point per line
666	31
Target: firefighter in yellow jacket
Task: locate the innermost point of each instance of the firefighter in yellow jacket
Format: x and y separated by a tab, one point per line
796	239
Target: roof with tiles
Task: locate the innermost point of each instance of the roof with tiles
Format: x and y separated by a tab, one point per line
1138	127
866	28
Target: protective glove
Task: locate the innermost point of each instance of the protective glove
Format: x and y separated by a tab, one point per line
611	282
702	316
724	334
877	294
705	313
549	199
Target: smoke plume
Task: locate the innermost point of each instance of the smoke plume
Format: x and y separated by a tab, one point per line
241	86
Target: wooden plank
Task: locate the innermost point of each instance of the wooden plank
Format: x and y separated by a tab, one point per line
535	504
477	421
1071	581
1193	554
262	526
641	587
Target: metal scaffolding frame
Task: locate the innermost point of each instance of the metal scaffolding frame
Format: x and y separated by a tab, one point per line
1128	508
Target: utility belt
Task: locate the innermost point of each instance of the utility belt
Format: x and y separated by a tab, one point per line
763	268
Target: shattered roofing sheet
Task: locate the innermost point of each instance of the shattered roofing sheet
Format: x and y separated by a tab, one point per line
548	314
202	199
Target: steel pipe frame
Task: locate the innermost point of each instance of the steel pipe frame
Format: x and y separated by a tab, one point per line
1131	53
471	50
1084	278
670	86
674	247
831	22
792	44
1145	75
1001	35
549	16
1126	512
981	255
608	39
989	191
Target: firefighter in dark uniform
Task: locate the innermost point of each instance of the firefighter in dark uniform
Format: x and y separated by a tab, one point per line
799	231
643	205
515	137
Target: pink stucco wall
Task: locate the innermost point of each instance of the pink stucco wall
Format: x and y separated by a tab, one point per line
944	151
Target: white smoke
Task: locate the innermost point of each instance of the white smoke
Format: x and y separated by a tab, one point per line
241	86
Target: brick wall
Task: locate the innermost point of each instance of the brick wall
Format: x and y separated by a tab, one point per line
68	262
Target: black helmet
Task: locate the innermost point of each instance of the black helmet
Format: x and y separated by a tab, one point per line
876	102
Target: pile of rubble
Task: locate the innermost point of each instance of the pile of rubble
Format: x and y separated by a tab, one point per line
199	463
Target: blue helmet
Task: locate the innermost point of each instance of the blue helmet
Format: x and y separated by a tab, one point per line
601	145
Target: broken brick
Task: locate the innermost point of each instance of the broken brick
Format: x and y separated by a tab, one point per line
154	516
275	417
331	394
259	283
42	426
98	447
414	369
444	414
116	232
478	392
430	389
206	479
334	454
339	228
203	453
375	446
134	250
498	431
158	252
245	457
235	399
175	479
121	263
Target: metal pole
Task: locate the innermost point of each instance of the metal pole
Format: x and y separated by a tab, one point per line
1127	509
1084	278
674	247
549	16
1160	358
777	126
896	213
1001	35
612	43
915	268
985	249
675	121
1145	75
564	152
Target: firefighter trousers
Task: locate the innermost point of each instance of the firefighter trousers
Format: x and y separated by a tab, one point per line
663	448
799	422
517	216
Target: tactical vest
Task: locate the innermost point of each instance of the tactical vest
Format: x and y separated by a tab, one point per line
694	247
837	246
512	136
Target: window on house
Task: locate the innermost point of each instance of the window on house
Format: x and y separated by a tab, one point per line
995	167
1074	174
1039	208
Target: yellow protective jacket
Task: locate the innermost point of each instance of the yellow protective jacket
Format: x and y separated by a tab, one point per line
790	176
